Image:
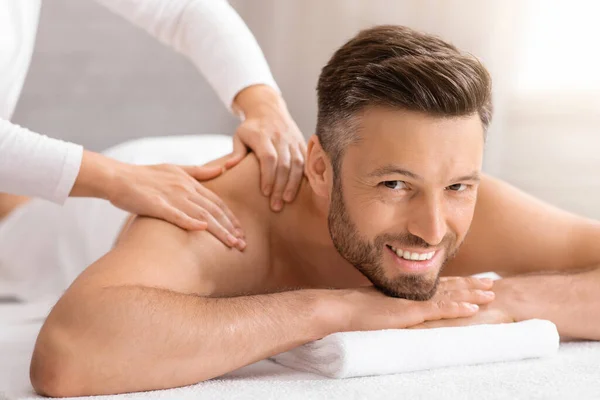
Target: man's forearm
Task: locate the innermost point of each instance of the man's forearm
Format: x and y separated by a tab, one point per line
155	339
570	300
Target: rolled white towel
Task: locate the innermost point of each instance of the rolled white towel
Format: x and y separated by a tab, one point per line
351	354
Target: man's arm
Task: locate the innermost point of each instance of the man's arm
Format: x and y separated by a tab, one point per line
550	259
570	300
140	318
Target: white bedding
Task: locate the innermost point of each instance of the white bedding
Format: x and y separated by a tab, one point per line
573	374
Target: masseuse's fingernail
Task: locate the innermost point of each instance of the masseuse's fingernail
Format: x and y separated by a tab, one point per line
267	190
488	293
277	204
472	307
232	240
239	233
288	196
487	281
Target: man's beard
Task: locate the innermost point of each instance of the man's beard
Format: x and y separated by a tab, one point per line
367	257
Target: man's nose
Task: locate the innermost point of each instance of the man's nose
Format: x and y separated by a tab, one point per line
427	219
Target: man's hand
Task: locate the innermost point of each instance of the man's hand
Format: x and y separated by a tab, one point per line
456	298
496	312
165	191
271	133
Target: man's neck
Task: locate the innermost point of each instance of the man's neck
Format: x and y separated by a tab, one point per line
301	235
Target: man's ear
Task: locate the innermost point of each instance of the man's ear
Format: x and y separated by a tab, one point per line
318	168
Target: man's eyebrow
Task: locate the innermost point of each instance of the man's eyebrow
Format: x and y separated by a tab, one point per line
395	169
473	176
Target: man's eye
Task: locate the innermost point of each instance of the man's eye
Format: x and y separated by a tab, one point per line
395	185
457	187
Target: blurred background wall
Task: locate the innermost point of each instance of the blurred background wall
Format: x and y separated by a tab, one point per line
97	80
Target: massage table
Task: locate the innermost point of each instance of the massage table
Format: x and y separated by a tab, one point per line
573	373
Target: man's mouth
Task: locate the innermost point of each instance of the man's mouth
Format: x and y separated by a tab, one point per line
412	255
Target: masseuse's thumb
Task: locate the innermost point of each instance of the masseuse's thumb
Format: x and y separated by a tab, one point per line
239	152
203	173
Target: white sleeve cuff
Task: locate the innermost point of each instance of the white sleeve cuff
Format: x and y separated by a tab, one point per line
73	154
36	165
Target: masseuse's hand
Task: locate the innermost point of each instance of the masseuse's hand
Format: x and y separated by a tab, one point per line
368	309
271	133
165	191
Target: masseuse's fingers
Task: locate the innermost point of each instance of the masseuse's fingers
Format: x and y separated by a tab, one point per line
296	174
173	193
215	209
280	148
221	211
217	225
202	173
281	176
267	157
177	217
239	152
210	201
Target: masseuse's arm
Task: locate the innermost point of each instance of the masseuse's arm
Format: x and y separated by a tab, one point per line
549	257
214	37
143	318
38	166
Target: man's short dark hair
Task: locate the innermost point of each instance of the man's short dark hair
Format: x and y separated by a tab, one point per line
397	67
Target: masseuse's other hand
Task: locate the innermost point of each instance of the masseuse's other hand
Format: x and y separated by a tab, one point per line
174	193
271	133
368	309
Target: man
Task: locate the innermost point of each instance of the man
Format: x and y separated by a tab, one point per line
393	187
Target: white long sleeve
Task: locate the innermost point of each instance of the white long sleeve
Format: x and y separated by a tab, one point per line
35	165
210	33
30	164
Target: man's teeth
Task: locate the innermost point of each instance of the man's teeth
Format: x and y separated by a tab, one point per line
407	255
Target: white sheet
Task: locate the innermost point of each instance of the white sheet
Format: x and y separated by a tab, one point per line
574	373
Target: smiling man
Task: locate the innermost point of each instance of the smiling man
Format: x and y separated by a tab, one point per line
393	195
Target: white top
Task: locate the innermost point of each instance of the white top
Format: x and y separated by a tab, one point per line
209	32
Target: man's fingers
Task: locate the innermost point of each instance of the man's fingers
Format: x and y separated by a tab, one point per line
296	173
475	296
440	323
469	282
281	177
444	309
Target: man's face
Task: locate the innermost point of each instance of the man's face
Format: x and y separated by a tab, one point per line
404	198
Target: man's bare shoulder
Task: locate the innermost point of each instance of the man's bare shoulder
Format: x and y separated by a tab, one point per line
155	253
513	232
239	187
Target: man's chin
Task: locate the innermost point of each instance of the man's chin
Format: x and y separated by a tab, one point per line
410	287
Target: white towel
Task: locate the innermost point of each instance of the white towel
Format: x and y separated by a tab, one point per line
352	354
